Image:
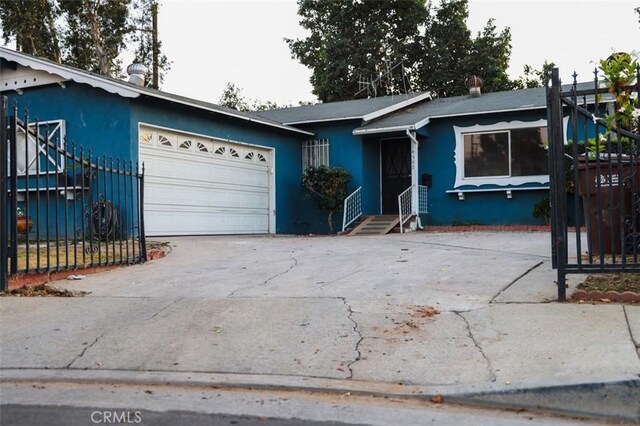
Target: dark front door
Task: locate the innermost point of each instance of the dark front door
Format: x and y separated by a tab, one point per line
396	172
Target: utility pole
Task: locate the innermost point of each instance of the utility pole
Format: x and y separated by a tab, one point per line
154	32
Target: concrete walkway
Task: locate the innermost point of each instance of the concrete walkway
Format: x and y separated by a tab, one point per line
332	313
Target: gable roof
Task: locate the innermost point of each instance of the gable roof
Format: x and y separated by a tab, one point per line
357	109
130	90
418	116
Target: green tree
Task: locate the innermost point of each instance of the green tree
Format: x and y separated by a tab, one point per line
397	46
95	34
488	57
444	49
141	39
328	187
533	77
88	34
352	42
32	24
233	98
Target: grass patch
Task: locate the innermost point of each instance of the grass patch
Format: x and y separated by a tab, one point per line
76	255
41	291
612	282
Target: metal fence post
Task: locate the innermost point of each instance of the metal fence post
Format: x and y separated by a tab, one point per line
4	228
557	182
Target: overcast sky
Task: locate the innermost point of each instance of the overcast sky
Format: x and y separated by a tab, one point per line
217	41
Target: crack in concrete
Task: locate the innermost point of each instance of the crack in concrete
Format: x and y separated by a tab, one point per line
173	302
492	374
515	281
429	243
84	350
358	332
295	263
338	279
631	336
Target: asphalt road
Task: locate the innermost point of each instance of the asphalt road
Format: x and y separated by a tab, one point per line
49	415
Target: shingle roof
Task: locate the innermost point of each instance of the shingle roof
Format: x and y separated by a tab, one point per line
126	89
344	110
418	115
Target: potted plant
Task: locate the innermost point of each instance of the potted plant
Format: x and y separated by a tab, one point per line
24	223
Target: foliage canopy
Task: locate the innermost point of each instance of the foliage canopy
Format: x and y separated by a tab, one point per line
87	34
372	48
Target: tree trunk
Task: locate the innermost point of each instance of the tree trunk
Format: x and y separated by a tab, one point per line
96	35
330	222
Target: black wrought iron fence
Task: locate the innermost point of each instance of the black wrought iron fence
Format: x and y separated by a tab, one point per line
61	207
595	176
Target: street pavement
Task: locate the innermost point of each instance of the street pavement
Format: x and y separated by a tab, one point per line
469	316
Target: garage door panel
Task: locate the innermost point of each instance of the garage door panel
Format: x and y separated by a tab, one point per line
205	197
192	192
198	223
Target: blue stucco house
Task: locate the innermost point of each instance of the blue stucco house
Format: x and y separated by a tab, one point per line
483	157
208	169
214	170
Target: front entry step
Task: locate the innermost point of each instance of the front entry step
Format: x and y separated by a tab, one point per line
376	225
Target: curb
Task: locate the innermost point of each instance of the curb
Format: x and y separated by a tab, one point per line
611	399
617	400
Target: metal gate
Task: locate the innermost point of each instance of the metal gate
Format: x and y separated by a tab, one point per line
595	176
63	208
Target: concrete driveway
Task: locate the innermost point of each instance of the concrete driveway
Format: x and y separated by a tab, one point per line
349	309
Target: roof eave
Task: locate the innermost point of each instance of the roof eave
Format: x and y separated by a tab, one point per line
378	130
395	107
411	127
123	89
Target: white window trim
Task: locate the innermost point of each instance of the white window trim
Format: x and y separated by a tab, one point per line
497	127
59	128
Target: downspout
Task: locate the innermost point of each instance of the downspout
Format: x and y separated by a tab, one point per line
414	175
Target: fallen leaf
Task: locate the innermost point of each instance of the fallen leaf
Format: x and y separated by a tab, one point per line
411	324
437	399
605	300
340	369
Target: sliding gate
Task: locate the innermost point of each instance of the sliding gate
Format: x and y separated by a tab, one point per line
595	176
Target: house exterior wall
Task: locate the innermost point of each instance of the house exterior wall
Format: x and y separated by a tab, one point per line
94	119
345	150
436	156
107	124
288	159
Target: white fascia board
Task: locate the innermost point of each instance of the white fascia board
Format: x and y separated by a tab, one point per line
69	73
372	131
396	107
321	120
411	127
113	86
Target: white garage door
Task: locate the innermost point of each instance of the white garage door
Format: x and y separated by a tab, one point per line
196	185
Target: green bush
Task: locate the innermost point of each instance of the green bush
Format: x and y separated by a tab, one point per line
328	187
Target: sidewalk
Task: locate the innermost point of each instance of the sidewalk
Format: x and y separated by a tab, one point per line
343	314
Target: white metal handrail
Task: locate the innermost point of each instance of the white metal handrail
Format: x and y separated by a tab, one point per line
352	208
405	207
